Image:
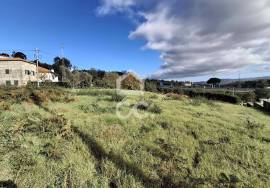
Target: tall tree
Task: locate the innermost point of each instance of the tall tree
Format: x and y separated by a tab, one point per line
131	83
19	55
214	81
61	67
109	80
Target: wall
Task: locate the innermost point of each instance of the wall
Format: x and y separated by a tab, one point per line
266	105
48	77
17	72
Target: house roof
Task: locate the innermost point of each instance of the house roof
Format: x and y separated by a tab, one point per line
44	70
14	59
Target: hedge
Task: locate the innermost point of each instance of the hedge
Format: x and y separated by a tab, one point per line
210	96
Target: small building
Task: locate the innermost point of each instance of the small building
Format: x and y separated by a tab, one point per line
47	75
16	71
187	84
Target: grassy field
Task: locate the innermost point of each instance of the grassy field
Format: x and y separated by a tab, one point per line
77	140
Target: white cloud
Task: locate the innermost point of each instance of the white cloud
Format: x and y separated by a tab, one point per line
203	37
112	6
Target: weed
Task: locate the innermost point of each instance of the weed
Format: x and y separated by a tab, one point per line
95	108
5	105
117	98
165	125
174	96
154	109
52	151
149	106
254	125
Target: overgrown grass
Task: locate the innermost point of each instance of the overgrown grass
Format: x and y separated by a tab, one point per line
75	139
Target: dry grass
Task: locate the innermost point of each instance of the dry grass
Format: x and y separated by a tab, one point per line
82	143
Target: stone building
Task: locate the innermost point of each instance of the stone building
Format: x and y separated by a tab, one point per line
16	71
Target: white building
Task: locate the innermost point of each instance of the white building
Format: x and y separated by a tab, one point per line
47	75
18	72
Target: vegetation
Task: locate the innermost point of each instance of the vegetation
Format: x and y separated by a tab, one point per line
262	93
19	55
131	83
214	81
4	54
73	138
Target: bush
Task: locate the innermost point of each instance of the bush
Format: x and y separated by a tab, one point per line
5	105
117	98
153	108
248	97
37	96
262	93
214	96
174	96
150	107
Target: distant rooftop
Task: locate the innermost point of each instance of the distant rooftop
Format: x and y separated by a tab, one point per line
3	58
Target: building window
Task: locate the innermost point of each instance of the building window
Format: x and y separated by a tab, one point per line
16	82
27	72
7	71
33	73
8	83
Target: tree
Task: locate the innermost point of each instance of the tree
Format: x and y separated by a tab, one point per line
44	65
4	55
151	85
262	93
85	79
19	55
62	66
214	81
109	80
131	83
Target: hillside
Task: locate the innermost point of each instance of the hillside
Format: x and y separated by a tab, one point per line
74	139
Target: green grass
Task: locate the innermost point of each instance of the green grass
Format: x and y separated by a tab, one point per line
177	143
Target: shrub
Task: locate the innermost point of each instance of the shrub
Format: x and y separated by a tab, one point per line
154	109
149	106
91	108
174	96
131	83
262	93
52	151
5	105
117	98
248	97
214	96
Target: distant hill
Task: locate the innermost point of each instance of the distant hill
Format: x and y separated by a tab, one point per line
229	81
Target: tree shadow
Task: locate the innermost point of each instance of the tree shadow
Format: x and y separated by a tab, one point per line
99	153
8	184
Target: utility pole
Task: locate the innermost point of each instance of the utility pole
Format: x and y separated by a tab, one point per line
37	51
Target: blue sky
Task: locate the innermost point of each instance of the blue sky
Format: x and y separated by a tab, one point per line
89	40
106	34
